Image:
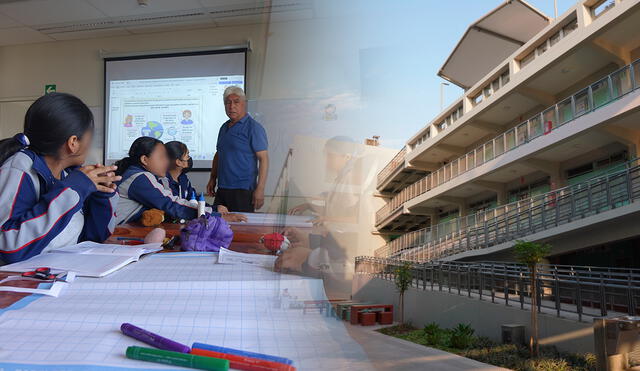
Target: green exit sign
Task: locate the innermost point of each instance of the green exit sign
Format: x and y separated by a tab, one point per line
50	88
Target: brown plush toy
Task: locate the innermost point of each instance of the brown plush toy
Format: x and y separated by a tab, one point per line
152	218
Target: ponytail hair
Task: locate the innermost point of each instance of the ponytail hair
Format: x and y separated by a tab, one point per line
50	121
142	146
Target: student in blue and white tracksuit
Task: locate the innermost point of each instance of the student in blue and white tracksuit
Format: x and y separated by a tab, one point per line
47	200
141	190
180	163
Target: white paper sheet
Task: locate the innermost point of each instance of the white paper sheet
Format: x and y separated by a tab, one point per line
259	219
86	259
95	248
187	299
83	264
53	289
231	257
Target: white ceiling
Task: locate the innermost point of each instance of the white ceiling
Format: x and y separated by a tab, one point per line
32	21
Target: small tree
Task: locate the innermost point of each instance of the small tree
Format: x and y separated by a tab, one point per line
530	254
403	280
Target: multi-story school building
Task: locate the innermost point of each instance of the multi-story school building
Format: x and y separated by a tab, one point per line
543	145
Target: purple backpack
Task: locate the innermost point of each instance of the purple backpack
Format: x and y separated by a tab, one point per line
206	233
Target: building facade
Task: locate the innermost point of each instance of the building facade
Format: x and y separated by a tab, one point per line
542	145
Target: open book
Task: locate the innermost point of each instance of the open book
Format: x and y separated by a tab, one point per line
89	259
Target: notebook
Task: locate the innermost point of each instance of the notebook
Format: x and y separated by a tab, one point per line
88	259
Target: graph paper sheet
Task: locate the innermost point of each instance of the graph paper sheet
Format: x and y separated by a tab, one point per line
185	297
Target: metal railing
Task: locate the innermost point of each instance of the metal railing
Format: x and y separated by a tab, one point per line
594	96
575	292
521	218
392	166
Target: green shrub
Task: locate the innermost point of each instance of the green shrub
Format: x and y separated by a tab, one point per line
431	328
434	335
397	330
545	364
504	355
484	342
462	336
461	340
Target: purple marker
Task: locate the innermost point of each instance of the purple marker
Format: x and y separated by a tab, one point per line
152	339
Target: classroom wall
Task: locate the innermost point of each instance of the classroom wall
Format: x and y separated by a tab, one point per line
295	68
76	65
306	60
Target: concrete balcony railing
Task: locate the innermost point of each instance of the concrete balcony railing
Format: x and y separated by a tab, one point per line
592	97
519	219
392	166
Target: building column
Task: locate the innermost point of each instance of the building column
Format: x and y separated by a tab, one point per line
499	188
626	136
463	209
501	197
434	218
557	178
583	15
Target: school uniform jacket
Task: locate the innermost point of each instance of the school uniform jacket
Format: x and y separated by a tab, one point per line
140	190
181	188
39	212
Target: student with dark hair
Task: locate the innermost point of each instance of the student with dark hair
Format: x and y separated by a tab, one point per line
140	188
48	200
179	164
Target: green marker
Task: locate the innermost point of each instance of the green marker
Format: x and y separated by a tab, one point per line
177	359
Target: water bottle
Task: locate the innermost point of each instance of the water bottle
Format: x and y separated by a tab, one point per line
201	205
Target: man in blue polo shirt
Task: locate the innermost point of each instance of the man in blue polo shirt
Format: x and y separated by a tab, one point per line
241	162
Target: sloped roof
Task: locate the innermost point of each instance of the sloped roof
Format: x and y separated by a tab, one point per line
490	40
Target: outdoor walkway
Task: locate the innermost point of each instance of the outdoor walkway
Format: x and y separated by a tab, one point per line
390	353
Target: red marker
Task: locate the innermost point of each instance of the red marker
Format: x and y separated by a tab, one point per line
244	363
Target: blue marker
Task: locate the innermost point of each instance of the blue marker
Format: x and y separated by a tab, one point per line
242	353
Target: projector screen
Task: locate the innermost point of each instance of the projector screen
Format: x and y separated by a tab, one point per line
169	97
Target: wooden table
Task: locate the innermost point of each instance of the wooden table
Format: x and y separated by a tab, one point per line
8	298
245	238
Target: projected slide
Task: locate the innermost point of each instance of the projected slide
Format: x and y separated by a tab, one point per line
189	109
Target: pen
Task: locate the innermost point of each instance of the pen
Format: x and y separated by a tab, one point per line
177	359
245	363
243	353
152	339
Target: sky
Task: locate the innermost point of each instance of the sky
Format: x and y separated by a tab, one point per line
378	62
